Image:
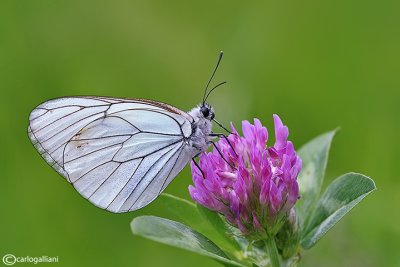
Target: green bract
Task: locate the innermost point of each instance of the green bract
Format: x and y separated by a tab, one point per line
192	227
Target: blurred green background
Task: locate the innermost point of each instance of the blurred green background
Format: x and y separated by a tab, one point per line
318	64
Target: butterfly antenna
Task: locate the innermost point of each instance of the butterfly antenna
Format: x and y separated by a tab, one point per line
212	75
218	85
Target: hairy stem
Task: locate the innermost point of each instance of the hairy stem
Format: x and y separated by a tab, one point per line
272	251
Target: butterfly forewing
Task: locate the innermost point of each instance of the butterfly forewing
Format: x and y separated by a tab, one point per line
120	154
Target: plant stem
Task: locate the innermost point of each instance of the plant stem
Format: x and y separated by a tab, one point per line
272	251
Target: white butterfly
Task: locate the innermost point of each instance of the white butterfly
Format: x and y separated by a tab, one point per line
118	153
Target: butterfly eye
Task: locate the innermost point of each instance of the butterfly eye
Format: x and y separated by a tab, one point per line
212	116
205	111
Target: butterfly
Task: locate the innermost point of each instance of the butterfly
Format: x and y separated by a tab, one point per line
119	153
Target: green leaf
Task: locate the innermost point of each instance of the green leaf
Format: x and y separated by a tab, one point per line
177	209
220	230
178	235
339	198
199	218
314	155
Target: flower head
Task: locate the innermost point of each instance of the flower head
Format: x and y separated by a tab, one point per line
254	186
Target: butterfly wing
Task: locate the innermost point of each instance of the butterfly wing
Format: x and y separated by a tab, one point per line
120	154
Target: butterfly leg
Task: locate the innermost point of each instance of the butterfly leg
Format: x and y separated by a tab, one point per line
226	138
220	125
197	165
222	156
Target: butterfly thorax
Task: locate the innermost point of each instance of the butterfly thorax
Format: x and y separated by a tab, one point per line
201	127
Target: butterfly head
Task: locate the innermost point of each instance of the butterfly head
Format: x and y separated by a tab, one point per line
207	111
